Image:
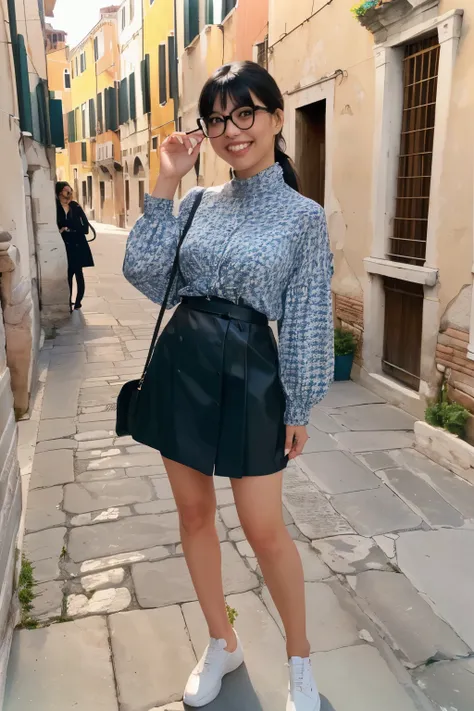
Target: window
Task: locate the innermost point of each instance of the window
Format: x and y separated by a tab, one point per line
92	119
154	143
96	49
99	46
141	195
132	96
124	113
83	151
191	21
84	193
132	10
145	72
124	18
83	62
102	194
111	113
209	12
227	6
262	53
100	114
89	190
172	68
85	132
127	195
71	127
77	65
67	79
420	83
162	73
77	119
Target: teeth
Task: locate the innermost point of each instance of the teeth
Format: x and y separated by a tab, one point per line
241	147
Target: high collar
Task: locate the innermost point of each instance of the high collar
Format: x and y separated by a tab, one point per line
266	181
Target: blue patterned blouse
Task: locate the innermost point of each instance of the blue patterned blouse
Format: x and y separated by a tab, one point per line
261	241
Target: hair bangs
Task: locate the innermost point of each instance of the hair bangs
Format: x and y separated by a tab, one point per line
230	85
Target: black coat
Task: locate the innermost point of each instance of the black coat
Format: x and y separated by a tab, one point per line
78	251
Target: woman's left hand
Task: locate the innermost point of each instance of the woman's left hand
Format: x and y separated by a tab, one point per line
296	438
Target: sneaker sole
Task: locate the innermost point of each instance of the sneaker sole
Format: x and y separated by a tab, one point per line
215	692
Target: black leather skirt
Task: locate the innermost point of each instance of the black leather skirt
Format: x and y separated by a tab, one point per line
213	393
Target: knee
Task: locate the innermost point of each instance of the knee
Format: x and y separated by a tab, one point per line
196	517
268	541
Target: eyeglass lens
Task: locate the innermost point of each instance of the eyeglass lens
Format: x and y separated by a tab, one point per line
242	117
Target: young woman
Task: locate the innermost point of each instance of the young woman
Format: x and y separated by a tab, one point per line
226	403
74	226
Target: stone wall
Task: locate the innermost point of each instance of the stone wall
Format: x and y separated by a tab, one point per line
10	510
349	310
452	361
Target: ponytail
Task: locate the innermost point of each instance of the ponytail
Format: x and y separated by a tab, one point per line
289	171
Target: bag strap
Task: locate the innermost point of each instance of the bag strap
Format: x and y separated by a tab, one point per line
174	271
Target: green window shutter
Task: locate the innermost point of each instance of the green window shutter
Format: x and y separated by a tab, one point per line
92	119
227	6
23	86
42	99
172	68
191	21
111	114
162	73
56	120
133	96
145	74
71	127
209	12
84	152
124	113
100	113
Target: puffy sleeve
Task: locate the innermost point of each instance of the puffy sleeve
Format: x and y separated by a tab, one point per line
152	244
306	342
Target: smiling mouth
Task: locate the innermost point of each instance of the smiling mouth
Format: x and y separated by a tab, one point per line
239	147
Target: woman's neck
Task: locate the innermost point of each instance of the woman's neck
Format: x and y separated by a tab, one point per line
256	169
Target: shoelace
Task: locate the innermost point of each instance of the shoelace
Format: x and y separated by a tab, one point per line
211	655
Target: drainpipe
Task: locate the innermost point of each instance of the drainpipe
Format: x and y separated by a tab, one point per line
176	100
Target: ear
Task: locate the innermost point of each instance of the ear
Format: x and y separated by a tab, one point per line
278	121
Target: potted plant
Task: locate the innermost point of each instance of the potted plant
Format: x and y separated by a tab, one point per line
345	346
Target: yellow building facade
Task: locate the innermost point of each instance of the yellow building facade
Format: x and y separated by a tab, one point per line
160	47
59	82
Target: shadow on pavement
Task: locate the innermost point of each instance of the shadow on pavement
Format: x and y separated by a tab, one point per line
238	694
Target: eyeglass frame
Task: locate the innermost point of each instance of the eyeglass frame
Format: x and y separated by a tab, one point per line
226	118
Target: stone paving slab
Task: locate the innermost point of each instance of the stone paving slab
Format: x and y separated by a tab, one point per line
129	534
313	567
375	512
52	468
373	441
440	564
44	673
374	417
422	497
346	555
456	491
168	581
324	422
101	475
124	460
48	600
54	429
153	657
55	444
338	472
261	640
376	461
450	685
358	679
83	498
60	401
43	550
319	441
407	618
43	509
348	394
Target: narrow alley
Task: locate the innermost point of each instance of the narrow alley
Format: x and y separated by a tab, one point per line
386	537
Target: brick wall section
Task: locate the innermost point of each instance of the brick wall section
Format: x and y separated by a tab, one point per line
350	312
451	353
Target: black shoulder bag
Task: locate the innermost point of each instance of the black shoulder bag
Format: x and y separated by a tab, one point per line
128	396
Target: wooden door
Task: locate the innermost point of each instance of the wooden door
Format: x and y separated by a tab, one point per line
310	154
402	331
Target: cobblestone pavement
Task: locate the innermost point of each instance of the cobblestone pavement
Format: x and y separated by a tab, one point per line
386	538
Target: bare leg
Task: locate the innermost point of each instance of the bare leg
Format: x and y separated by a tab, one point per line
259	505
196	501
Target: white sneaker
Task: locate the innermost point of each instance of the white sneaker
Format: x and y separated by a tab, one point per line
205	682
303	694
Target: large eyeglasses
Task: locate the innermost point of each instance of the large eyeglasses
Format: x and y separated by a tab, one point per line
243	117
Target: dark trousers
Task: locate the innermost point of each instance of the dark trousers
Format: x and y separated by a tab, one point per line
81	287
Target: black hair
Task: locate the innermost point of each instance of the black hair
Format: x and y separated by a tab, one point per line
238	81
60	187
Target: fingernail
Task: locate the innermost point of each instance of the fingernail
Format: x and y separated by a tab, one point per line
287	451
193	142
190	151
180	139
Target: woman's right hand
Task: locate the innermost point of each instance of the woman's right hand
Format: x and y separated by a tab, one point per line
178	154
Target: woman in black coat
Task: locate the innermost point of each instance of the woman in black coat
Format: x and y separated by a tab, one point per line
73	226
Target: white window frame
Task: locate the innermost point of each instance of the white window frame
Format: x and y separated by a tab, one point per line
85	120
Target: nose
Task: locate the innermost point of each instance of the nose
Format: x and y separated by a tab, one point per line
231	130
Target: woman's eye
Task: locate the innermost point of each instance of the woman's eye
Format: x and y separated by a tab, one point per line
215	120
245	113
